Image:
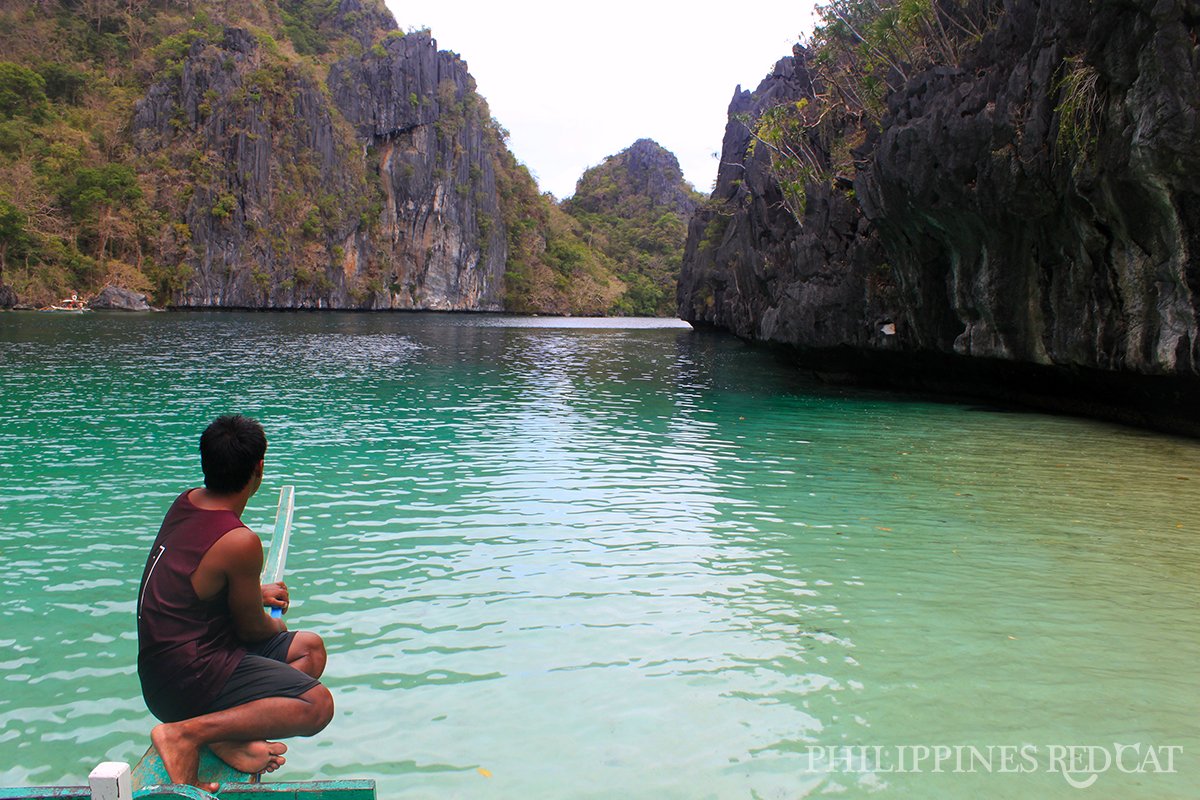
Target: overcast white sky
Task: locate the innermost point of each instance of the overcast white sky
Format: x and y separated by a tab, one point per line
576	82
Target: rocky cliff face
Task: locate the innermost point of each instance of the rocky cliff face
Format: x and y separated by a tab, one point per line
428	138
750	268
372	189
1024	224
254	140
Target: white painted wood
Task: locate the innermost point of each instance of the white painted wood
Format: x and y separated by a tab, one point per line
111	780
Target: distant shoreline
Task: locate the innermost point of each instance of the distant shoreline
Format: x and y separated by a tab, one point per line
538	320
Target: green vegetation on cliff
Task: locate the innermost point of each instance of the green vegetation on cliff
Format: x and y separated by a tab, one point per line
550	269
615	247
73	213
81	206
634	209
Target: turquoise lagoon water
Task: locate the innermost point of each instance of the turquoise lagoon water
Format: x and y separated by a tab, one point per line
562	558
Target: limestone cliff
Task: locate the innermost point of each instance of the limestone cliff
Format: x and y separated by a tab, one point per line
375	190
1021	220
249	162
269	154
429	139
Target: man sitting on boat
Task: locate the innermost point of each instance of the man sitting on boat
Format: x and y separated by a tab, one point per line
215	667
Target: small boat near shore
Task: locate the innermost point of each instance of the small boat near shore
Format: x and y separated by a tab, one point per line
70	304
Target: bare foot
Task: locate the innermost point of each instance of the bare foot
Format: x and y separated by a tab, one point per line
179	755
251	757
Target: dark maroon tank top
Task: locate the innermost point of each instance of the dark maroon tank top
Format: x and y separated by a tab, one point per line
187	648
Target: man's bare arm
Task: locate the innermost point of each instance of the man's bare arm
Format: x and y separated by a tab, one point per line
238	556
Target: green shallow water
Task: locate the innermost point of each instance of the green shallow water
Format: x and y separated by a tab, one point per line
558	559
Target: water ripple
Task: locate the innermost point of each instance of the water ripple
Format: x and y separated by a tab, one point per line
554	549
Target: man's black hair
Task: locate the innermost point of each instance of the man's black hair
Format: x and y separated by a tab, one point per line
230	449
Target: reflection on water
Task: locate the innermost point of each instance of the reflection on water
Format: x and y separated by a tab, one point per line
599	561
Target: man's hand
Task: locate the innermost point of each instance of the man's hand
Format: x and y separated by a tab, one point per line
275	595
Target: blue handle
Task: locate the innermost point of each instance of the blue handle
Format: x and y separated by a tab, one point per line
276	612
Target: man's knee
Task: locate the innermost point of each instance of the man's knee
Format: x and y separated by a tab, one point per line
320	708
307	653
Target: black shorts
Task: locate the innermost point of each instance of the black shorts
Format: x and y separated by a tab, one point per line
263	672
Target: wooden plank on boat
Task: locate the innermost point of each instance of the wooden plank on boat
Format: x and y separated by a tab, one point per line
299	790
303	790
45	793
283	790
174	791
150	779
